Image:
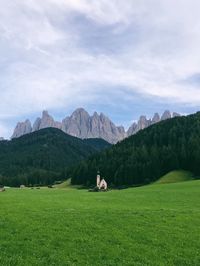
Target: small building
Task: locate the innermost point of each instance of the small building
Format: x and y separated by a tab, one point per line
101	183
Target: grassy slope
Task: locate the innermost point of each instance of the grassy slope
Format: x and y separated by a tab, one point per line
175	176
152	225
65	184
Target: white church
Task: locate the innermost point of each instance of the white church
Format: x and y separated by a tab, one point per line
101	183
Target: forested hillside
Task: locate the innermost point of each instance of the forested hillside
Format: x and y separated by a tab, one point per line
146	156
41	157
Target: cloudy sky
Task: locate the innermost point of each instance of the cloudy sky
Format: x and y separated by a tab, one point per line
123	58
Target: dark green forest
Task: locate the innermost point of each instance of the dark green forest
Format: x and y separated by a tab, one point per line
42	157
146	156
49	154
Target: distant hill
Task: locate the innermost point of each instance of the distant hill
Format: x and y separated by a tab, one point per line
145	157
175	177
42	156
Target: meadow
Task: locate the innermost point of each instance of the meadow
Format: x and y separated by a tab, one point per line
151	225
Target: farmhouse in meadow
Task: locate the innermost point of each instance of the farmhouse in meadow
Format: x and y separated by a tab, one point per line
101	183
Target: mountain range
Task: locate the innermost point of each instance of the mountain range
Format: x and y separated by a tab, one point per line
50	154
81	125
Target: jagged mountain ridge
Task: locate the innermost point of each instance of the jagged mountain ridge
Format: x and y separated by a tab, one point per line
80	124
143	122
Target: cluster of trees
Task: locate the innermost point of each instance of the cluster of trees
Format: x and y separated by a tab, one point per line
42	157
31	178
146	156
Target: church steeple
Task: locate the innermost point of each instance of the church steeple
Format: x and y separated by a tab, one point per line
98	179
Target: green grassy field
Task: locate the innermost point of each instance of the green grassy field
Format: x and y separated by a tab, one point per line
151	225
176	176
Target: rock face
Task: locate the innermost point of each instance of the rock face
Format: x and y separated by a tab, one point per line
80	124
132	129
22	128
174	114
104	128
143	122
36	125
45	122
77	124
166	115
155	119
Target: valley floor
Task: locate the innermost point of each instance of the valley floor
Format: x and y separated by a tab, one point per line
151	225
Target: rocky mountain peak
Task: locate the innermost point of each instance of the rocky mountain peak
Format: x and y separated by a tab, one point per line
103	117
174	114
95	114
22	128
166	115
121	129
36	124
80	114
156	118
45	113
143	122
46	120
132	129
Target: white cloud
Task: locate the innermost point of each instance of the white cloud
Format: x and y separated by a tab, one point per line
46	64
101	11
